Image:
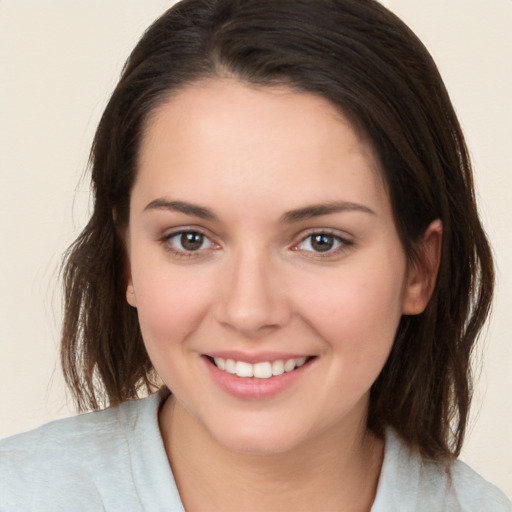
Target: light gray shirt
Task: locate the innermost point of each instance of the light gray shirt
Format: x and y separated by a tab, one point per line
114	460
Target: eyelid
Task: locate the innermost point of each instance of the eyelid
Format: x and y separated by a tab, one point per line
165	241
344	239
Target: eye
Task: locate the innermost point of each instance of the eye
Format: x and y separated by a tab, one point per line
322	243
186	242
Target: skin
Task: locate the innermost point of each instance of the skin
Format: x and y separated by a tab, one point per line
257	285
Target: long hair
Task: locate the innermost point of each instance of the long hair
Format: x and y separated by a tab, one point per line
370	66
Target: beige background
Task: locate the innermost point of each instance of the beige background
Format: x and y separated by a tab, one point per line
58	62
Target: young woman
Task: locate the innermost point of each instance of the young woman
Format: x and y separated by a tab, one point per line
285	243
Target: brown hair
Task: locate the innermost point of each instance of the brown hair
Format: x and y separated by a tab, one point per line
367	63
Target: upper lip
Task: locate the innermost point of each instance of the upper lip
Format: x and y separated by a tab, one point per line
256	357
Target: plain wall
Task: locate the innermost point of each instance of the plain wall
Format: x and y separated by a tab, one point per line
59	61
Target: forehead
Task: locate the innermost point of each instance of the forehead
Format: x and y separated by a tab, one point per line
241	139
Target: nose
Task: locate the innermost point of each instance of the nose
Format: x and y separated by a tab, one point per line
252	299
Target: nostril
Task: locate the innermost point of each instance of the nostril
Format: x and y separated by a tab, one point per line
251	301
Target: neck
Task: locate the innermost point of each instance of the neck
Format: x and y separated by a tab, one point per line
337	470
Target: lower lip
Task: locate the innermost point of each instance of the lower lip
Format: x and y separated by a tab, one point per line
251	388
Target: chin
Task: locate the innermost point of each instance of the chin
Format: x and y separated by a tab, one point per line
259	445
254	438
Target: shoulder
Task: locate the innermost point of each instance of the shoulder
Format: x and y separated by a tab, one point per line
68	439
76	460
474	492
410	483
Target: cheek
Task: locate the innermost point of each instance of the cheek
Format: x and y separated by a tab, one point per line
170	304
357	311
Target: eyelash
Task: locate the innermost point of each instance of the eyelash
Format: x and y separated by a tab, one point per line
341	244
166	241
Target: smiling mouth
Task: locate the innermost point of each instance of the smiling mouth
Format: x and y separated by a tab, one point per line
260	370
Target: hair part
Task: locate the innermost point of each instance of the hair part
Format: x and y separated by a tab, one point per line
368	64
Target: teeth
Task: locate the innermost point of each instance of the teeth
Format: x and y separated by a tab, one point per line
277	368
300	361
244	369
289	365
221	363
263	370
230	366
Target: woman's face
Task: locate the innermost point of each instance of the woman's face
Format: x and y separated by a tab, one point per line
261	241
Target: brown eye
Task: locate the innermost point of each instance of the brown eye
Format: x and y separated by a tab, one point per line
322	242
187	242
191	241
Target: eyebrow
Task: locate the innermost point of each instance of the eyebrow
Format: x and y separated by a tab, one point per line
297	215
317	210
182	207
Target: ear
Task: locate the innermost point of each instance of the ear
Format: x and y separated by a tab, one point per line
130	290
130	293
422	274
